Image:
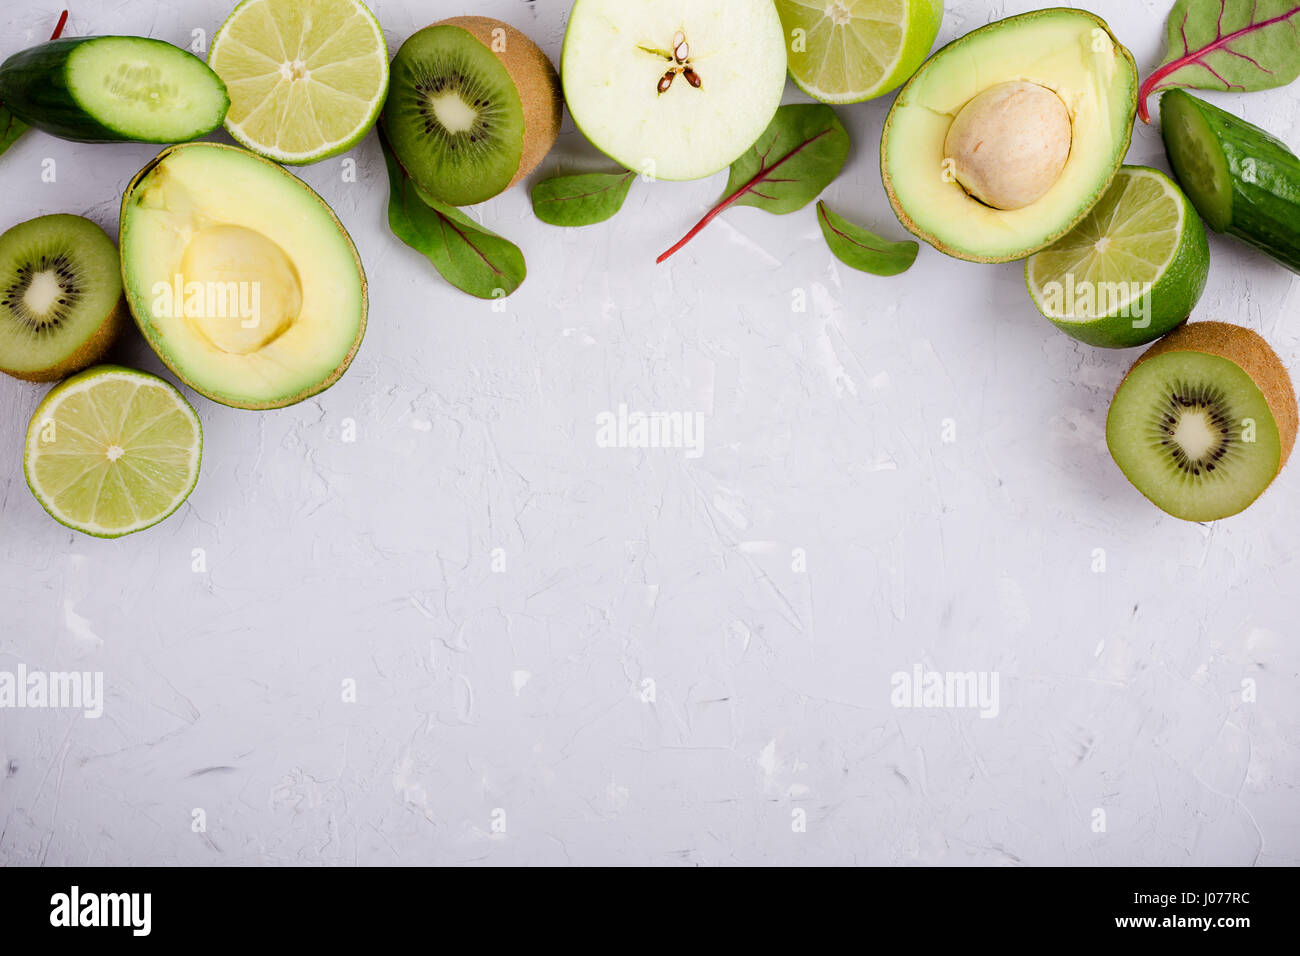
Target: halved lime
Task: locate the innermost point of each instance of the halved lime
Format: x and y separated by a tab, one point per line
847	51
1133	269
112	451
307	78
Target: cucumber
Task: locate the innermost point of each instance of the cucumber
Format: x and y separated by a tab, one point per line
113	89
1242	181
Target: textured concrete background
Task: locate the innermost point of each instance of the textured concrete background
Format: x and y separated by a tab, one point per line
569	653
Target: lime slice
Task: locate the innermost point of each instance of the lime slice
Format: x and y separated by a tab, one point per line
307	78
847	51
1133	269
112	451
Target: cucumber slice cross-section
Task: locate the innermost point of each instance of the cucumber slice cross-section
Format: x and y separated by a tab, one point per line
114	89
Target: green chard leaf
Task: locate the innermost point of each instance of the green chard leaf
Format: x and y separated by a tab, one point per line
468	256
863	250
800	153
1229	45
583	199
11	127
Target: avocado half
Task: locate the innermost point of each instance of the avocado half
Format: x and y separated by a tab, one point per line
1070	52
240	277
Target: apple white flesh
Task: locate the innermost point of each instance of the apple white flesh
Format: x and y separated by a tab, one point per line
674	89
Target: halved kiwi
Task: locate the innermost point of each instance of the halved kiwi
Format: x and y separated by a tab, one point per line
473	106
61	301
1204	421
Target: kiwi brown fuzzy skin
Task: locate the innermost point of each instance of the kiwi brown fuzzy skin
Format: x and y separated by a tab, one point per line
91	351
1253	355
95	344
535	79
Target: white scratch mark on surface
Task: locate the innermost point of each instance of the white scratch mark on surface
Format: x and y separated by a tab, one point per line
729	503
767	759
78	626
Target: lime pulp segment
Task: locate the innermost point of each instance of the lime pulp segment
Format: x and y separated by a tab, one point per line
1122	247
845	51
307	78
112	451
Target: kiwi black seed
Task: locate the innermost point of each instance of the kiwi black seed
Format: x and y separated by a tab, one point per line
473	107
61	304
452	78
1204	421
1211	405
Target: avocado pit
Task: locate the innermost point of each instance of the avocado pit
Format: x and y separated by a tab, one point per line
1009	145
250	289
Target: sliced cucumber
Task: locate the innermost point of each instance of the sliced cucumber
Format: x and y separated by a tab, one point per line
1242	181
113	89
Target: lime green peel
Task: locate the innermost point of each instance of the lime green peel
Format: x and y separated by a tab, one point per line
1132	270
847	51
307	78
113	451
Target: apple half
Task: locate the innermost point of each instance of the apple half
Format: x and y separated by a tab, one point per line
673	89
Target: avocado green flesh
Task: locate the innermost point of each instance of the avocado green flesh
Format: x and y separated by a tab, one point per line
240	277
1138	426
1067	51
